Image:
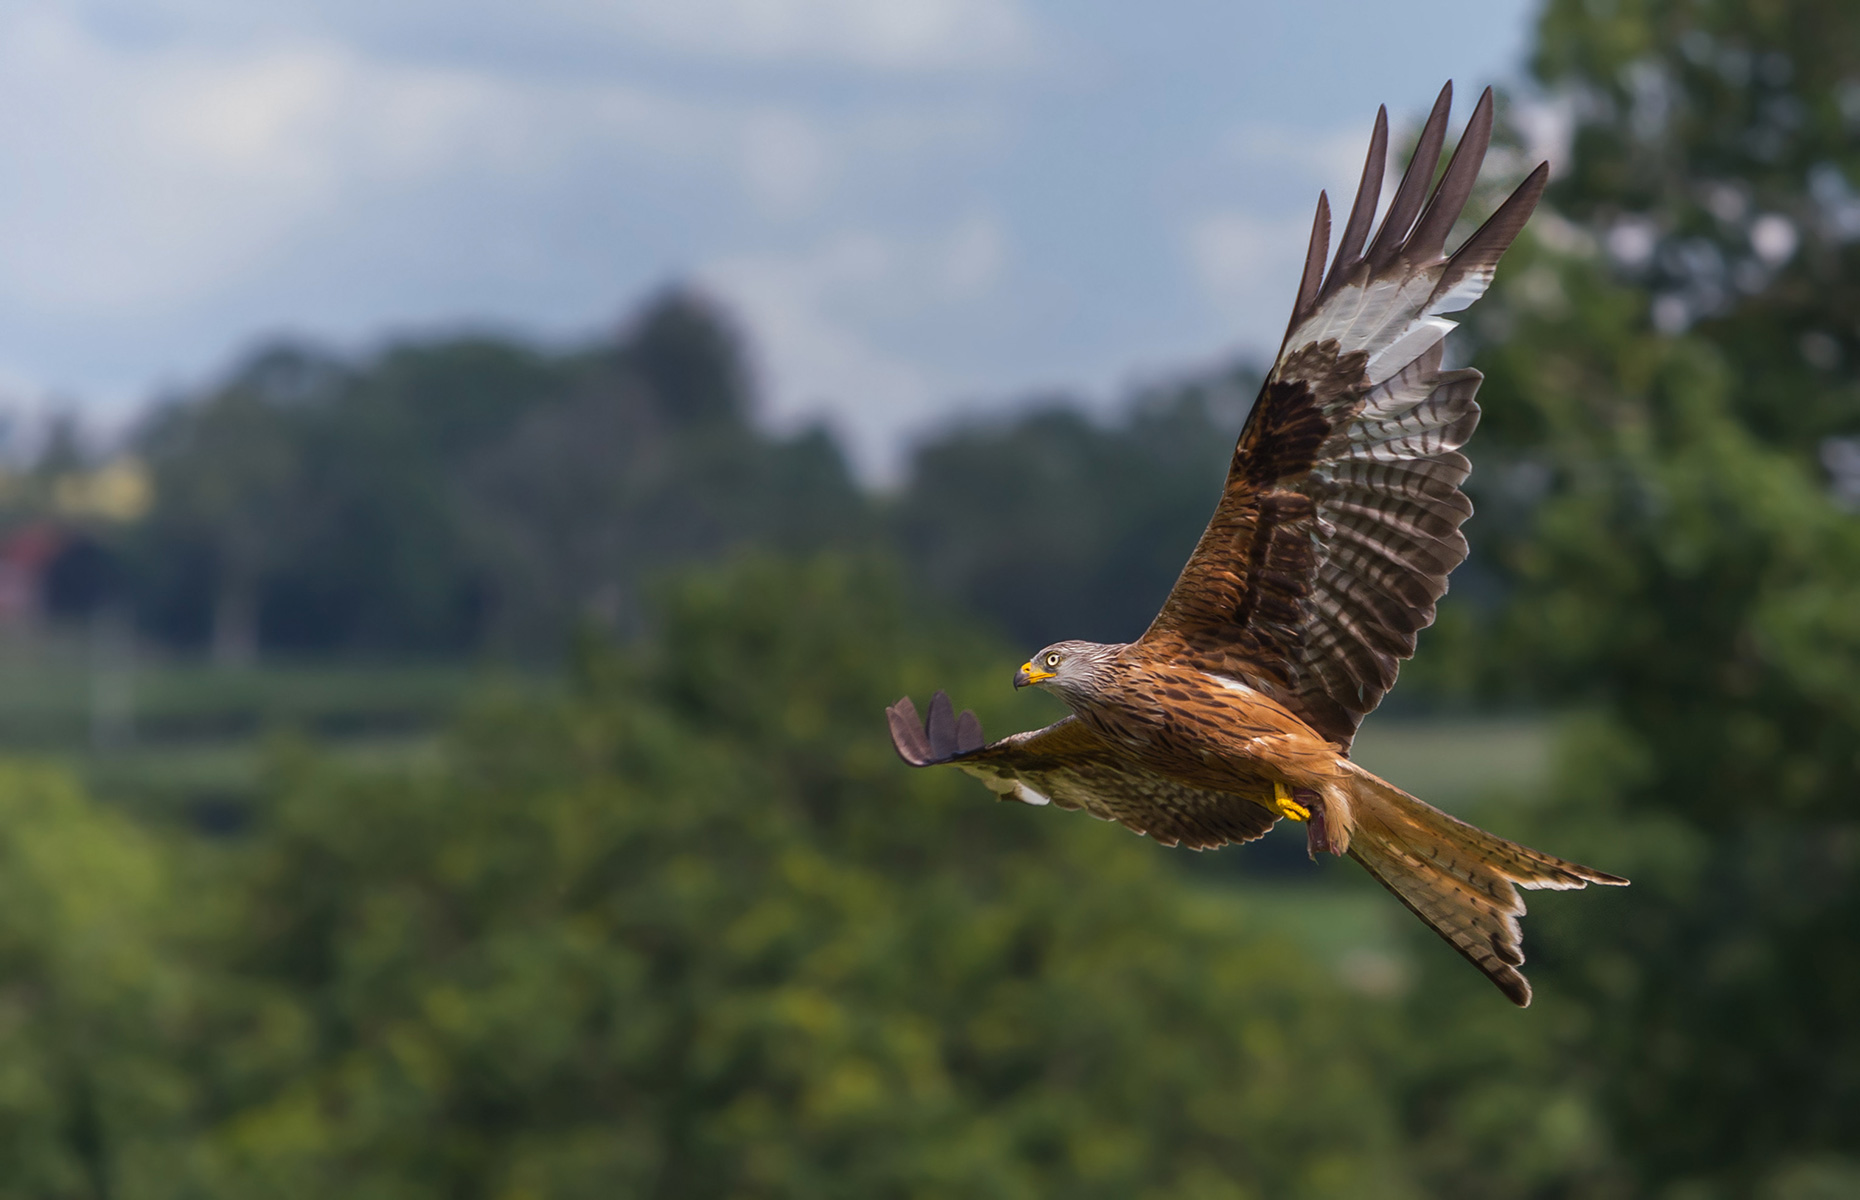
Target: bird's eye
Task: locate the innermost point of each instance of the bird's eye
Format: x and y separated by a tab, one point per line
1052	660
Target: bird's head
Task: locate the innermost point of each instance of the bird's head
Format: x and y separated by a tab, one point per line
1067	668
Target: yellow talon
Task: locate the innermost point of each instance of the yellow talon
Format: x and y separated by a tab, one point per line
1286	806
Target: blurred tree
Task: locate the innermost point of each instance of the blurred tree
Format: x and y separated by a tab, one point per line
1697	589
227	475
384	563
1715	155
91	1006
649	461
443	494
1667	363
694	932
690	360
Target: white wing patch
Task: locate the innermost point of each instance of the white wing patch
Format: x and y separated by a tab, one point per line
1027	795
1393	324
1006	785
1232	684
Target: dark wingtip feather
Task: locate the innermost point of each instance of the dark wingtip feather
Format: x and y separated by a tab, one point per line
942	726
942	738
1412	192
907	733
1456	186
968	733
1490	241
1314	261
1363	211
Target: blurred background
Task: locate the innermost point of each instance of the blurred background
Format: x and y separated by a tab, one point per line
471	476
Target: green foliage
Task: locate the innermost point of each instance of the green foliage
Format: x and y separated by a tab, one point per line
696	932
1726	131
1677	568
90	1007
1697	588
691	929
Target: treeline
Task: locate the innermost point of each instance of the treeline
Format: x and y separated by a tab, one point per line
473	494
464	494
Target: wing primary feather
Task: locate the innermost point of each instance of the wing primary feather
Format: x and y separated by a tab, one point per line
942	726
943	738
968	732
1456	186
1489	242
1363	211
907	733
1314	264
1414	184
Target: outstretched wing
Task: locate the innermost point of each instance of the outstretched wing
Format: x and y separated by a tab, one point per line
1339	522
1069	765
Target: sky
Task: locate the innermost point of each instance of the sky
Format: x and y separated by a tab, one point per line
917	210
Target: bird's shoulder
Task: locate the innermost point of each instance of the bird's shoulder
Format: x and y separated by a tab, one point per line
1186	687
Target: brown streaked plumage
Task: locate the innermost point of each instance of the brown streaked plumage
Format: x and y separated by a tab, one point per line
1331	543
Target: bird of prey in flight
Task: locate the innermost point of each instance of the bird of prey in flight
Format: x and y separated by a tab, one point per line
1333	538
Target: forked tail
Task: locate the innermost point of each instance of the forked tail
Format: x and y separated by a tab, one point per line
1458	878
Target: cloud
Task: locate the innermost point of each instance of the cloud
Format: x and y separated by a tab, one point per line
911	201
916	35
971	257
154	175
163	173
811	313
786	161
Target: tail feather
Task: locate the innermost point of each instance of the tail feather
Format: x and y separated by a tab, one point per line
1459	879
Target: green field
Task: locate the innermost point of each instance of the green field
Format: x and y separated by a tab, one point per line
174	733
171	731
179	739
1452	761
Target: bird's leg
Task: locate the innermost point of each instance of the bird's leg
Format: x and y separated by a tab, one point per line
1304	804
1285	806
1317	830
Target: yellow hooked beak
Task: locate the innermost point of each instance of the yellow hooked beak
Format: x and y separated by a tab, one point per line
1030	674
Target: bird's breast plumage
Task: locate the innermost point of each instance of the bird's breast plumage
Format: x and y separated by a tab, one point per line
1200	727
